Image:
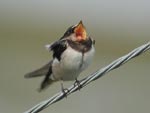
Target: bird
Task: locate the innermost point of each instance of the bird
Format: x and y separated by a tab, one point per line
72	54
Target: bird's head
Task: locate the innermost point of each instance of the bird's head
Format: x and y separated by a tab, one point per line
76	33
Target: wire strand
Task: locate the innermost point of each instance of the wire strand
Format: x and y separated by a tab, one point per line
97	74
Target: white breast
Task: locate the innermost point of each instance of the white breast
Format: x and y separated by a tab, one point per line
71	64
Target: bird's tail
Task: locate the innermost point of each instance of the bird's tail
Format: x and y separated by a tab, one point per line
45	84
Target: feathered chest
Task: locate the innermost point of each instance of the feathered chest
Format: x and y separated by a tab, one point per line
72	62
71	59
81	47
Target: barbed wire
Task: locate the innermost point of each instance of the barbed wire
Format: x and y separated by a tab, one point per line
99	73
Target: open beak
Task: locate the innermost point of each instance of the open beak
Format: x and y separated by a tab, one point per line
80	32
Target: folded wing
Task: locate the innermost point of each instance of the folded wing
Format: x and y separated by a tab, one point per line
39	72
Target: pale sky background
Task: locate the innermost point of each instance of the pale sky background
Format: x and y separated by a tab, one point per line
118	26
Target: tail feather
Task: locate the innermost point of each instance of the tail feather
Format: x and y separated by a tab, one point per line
45	84
47	80
39	72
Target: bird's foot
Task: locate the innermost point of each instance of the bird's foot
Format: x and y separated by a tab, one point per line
77	82
64	90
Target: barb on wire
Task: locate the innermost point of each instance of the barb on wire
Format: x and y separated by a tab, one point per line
99	73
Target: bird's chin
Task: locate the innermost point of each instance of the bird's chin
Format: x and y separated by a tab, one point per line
79	38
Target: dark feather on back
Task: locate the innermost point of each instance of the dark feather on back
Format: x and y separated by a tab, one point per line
58	49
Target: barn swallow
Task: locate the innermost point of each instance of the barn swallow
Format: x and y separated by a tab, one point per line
72	54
